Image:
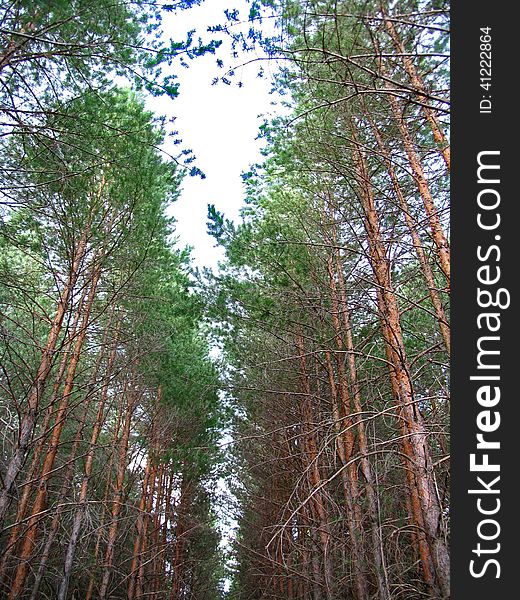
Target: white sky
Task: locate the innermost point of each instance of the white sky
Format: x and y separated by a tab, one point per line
218	122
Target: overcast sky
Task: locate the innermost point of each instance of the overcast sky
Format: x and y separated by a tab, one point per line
218	122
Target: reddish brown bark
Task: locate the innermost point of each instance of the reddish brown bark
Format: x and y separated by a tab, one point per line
425	505
165	528
48	463
313	473
140	535
419	86
143	562
28	421
366	468
350	491
345	429
30	481
53	529
180	540
89	462
131	403
157	547
435	298
108	486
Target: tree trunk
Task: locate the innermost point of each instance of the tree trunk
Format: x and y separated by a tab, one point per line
108	485
344	427
438	236
415	435
419	86
139	537
118	494
48	464
313	472
181	530
144	537
53	529
435	298
89	462
366	467
30	480
28	421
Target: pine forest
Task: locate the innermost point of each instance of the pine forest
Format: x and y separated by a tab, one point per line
276	427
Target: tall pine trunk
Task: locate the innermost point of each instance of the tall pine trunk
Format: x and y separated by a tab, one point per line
89	462
415	435
28	420
131	403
